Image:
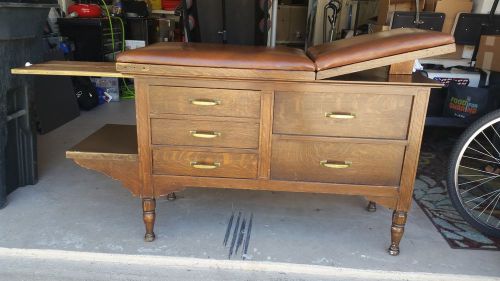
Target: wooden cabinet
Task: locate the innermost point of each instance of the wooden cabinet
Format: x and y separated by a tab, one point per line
332	137
340	137
324	137
278	123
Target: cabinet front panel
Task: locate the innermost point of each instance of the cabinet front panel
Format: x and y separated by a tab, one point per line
337	162
205	133
169	161
342	115
202	101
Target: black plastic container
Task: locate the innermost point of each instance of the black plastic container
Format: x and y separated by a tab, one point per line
92	37
21	26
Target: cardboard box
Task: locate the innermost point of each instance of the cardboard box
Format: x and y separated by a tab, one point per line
466	78
165	30
291	24
462	52
488	56
484	7
374	28
451	8
387	8
430	5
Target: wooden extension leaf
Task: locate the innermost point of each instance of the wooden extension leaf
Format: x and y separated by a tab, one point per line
72	68
111	150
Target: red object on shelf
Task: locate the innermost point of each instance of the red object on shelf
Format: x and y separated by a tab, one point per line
170	5
85	10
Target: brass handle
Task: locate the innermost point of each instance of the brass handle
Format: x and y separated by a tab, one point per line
205	166
205	102
205	134
335	164
339	115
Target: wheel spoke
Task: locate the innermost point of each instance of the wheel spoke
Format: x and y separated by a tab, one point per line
496	159
476	186
490	195
465	176
485	208
493	208
470	157
486	150
474	169
492	145
495	130
479	179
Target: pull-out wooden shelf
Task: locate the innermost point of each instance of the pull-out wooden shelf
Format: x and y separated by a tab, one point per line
72	68
111	150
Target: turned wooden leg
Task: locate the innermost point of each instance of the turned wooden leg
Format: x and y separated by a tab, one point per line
148	214
372	206
397	230
171	196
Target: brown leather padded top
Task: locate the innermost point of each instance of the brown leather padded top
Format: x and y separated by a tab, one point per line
377	45
221	56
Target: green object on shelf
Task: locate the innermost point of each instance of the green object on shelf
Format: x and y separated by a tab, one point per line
127	93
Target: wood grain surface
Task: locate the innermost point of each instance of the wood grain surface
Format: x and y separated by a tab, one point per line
179	100
375	115
178	132
103	144
72	68
165	184
125	171
376	164
214	72
230	165
144	136
412	153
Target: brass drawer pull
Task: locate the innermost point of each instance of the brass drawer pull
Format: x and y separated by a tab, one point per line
205	134
205	102
205	166
335	164
339	115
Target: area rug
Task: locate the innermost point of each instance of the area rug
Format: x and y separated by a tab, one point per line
432	197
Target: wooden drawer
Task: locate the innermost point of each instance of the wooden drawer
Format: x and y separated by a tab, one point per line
204	164
336	162
342	115
201	101
205	133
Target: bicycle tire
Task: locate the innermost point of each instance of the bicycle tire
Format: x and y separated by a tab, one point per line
458	151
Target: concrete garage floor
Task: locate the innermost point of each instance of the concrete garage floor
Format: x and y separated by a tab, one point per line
78	224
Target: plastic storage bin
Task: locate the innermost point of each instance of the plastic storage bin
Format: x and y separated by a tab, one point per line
21	25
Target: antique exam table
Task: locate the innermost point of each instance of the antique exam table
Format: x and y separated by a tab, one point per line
244	117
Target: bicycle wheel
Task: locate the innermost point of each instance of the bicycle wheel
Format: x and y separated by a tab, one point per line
474	174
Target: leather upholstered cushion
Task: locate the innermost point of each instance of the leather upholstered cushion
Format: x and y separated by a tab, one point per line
373	46
221	56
